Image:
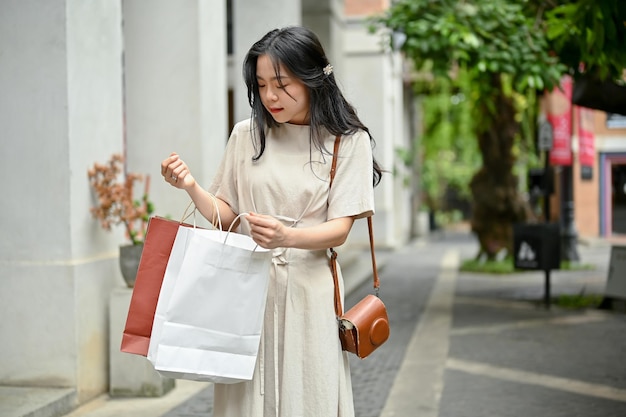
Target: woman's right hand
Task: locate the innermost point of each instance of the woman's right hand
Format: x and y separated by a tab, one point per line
176	173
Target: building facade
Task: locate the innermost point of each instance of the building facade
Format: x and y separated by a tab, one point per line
82	80
600	199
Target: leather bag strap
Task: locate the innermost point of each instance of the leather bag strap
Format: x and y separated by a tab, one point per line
333	254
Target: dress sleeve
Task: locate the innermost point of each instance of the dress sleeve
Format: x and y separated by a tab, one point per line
352	191
225	182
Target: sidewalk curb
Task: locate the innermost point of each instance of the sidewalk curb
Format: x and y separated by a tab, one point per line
427	351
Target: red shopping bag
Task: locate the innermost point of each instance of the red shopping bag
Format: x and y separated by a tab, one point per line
157	246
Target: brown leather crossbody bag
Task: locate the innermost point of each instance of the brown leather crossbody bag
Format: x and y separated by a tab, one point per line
364	327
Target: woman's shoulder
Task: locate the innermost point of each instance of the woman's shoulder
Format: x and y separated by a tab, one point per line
242	134
240	141
243	127
358	138
359	134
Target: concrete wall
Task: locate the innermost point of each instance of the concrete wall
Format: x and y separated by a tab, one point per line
176	91
326	19
253	19
60	111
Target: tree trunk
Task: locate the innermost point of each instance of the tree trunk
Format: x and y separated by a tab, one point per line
497	202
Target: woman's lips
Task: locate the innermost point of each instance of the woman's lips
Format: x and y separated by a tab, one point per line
275	110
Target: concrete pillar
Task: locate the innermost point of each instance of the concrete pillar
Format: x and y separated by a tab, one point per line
380	107
130	375
60	111
325	18
252	20
176	93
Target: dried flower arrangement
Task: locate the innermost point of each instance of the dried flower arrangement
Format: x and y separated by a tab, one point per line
115	199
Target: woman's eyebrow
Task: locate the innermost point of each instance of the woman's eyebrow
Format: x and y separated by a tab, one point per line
274	78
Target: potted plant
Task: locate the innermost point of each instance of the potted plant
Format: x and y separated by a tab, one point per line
116	204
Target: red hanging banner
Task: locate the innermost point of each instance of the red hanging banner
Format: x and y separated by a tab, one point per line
586	138
559	115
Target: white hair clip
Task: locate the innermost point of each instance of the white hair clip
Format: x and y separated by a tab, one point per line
328	69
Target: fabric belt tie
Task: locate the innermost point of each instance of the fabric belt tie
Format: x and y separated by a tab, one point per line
279	259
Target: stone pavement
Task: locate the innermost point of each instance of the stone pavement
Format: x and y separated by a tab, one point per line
487	346
465	345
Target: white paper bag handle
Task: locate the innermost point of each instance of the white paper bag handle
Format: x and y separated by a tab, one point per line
216	213
231	227
185	215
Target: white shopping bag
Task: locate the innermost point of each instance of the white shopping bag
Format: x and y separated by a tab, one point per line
210	310
167	287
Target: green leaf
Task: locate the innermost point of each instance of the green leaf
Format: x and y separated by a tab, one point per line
471	39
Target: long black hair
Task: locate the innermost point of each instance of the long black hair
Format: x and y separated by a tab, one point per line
300	52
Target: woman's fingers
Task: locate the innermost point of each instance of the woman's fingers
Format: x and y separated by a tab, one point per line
166	164
174	170
266	230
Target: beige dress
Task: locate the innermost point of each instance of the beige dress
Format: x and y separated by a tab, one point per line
301	370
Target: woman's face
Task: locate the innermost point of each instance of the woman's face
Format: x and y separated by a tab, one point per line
285	97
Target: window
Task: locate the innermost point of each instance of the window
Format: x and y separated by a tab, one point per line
615	121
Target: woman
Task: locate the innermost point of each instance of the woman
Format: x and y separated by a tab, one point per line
276	168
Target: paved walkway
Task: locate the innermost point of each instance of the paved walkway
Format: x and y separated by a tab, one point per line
487	346
465	344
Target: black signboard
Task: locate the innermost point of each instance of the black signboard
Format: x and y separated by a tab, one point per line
537	246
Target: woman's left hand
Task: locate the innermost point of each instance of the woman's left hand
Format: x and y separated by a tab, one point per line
267	232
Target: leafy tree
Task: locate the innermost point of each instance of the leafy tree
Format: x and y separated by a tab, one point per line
589	37
504	53
449	149
587	32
